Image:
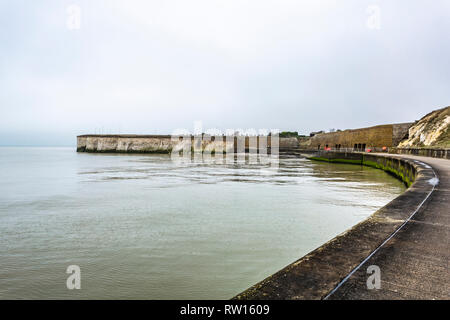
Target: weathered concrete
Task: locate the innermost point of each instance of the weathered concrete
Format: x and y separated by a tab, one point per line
410	247
432	131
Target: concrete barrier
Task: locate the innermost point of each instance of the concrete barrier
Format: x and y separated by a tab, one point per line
166	143
321	271
425	152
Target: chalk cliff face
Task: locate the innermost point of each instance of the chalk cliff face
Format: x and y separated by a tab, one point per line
167	144
430	131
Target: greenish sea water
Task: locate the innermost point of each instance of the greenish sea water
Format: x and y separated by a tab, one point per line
146	227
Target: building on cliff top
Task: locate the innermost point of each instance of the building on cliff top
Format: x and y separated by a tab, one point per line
377	137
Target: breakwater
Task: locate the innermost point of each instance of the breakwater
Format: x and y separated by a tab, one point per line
318	274
167	143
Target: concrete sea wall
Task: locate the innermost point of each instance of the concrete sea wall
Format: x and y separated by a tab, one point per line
318	273
401	169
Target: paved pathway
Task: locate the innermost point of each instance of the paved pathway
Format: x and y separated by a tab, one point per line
414	264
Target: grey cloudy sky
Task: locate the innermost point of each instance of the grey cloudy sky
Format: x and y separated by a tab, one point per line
157	65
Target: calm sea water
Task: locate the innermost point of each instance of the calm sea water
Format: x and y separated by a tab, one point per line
146	227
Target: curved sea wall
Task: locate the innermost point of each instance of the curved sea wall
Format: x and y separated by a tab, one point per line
124	143
318	273
403	170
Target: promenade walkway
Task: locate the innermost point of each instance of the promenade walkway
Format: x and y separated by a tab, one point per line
414	263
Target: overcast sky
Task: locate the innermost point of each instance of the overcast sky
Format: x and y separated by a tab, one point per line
157	65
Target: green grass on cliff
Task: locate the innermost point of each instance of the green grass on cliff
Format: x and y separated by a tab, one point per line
288	134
